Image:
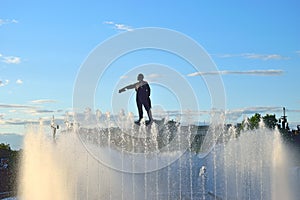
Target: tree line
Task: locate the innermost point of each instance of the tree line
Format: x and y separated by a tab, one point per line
9	168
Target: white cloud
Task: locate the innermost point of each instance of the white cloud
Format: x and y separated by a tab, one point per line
270	72
19	81
108	22
254	56
38	111
121	27
15	106
298	52
11	59
16	121
265	57
4	83
41	101
8	21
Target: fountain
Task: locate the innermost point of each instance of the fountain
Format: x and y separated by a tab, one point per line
104	161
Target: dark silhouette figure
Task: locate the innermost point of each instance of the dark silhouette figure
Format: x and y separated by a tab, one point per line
142	97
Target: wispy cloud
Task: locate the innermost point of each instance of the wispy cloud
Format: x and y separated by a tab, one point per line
265	56
16	121
38	111
109	22
8	21
235	114
253	56
121	27
298	52
270	72
15	106
10	59
4	83
42	101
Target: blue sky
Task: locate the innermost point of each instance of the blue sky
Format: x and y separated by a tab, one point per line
255	45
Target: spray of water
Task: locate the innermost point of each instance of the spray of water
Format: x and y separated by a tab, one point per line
43	177
62	170
251	166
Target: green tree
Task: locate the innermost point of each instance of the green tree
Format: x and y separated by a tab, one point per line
10	177
270	121
5	146
254	121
